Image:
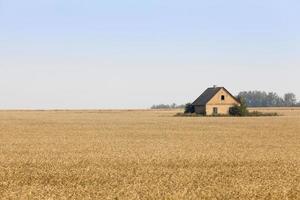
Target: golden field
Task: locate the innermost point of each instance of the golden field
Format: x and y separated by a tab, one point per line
143	154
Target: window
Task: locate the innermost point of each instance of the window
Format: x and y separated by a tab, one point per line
215	110
222	97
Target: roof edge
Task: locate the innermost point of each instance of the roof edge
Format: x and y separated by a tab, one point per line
217	90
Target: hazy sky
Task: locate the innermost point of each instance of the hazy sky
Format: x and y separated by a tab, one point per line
133	53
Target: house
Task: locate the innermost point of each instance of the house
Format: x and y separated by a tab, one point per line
215	100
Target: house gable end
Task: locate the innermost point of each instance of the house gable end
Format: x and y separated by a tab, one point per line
223	97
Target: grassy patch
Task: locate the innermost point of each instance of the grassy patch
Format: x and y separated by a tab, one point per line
262	114
249	114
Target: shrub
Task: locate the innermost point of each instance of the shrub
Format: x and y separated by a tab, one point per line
189	108
261	114
240	110
243	111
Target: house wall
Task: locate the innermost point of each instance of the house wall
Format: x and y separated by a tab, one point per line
200	109
222	109
222	105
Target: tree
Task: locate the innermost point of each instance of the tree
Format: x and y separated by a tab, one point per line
256	98
173	105
290	99
240	110
167	106
189	108
273	99
264	99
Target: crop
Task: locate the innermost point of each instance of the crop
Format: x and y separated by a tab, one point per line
142	154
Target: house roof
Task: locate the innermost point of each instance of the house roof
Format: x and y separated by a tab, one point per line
208	94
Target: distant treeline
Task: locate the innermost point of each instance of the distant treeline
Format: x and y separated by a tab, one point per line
253	99
167	106
270	99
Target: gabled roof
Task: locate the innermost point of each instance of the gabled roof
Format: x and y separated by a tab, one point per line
208	94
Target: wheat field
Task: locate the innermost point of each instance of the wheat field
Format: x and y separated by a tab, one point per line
143	154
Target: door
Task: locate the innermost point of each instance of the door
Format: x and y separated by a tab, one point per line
215	110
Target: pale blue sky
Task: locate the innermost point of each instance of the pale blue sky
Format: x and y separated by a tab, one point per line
132	54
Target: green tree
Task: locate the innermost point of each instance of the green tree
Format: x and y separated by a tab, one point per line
239	110
189	108
290	99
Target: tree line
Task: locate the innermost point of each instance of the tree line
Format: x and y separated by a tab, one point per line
167	106
252	99
270	99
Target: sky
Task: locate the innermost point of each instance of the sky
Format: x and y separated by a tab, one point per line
79	54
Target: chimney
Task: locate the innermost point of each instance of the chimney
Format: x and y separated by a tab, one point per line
214	86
